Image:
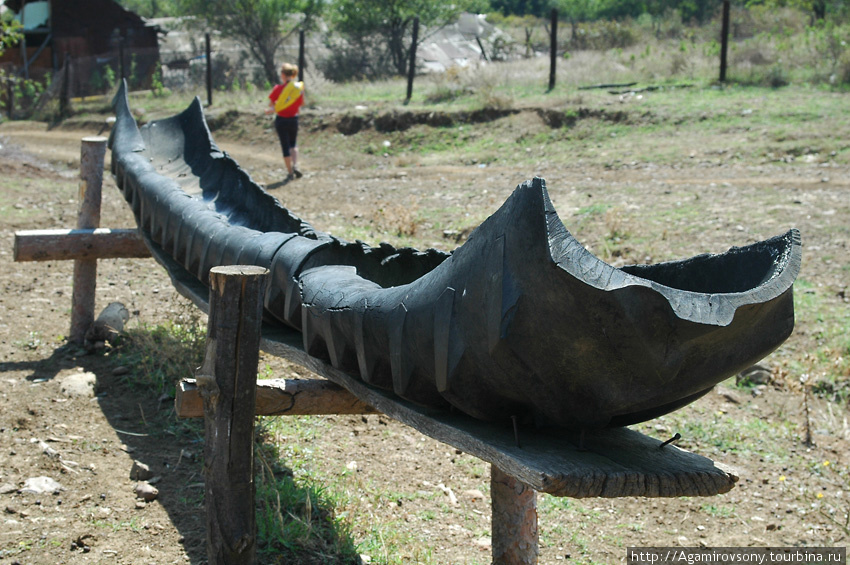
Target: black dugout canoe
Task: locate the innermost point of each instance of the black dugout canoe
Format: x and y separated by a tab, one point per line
519	321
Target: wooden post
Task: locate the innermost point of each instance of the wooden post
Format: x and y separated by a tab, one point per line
514	520
481	46
10	97
553	47
228	384
724	41
92	156
209	68
24	52
302	59
412	69
65	87
121	70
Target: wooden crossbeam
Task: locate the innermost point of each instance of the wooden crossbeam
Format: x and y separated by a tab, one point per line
279	397
65	244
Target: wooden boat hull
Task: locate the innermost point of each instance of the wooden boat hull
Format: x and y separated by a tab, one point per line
520	321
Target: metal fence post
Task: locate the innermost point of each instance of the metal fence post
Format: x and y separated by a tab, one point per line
724	41
209	68
553	47
412	69
302	59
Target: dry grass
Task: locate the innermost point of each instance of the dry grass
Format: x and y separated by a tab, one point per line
400	220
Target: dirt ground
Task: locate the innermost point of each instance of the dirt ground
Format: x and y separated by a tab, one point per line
790	494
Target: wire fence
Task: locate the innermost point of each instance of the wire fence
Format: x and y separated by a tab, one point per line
53	91
191	67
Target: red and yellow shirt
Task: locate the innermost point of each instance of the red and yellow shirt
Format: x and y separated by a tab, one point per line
287	98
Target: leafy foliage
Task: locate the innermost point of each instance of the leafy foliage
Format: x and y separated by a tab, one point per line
520	7
817	9
378	32
152	8
10	34
260	25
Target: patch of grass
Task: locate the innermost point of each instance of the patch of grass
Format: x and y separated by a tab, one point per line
391	543
297	522
827	362
830	503
298	516
32	343
160	355
117	526
399	220
750	435
15	205
718	510
596	209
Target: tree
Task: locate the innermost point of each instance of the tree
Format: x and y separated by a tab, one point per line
257	24
578	11
817	9
152	8
520	7
10	34
383	26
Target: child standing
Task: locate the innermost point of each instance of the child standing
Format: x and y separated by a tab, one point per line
284	101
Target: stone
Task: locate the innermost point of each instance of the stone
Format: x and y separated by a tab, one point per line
41	485
140	471
146	492
79	385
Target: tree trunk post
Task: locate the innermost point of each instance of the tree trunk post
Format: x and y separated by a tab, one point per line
228	383
65	89
553	48
10	97
514	520
302	60
92	156
24	52
724	41
412	69
209	68
122	70
483	51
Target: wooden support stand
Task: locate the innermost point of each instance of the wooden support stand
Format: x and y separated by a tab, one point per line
614	463
227	382
514	520
281	397
84	245
513	503
90	244
92	157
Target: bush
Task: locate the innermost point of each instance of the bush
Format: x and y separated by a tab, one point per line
353	61
831	45
603	35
